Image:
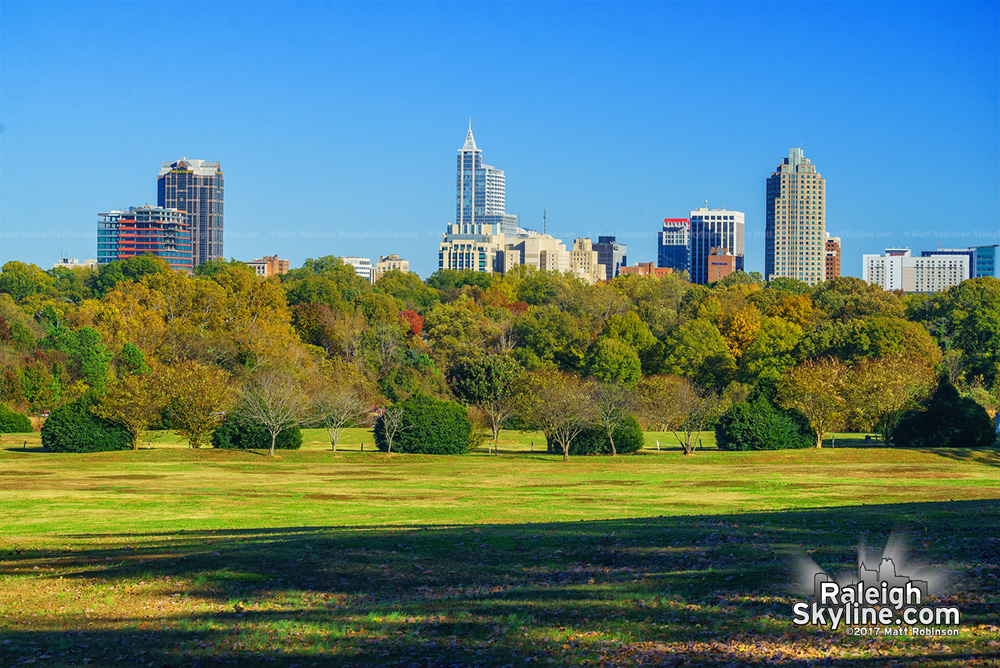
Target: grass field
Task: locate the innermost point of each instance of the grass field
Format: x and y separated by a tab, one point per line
169	556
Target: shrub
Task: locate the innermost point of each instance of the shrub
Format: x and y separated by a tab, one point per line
949	421
757	424
628	439
74	428
238	433
429	427
13	423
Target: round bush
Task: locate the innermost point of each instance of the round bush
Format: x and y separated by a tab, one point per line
73	428
14	423
949	421
628	439
429	427
239	433
759	425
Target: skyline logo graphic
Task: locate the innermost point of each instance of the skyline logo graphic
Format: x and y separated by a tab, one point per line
889	600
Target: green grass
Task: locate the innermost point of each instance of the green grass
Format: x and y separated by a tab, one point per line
171	556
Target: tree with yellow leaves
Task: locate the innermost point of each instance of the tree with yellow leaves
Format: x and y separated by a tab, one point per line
197	396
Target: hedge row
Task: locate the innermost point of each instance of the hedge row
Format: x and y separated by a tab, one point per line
428	427
74	428
14	423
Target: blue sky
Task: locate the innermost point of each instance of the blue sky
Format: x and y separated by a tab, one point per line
337	124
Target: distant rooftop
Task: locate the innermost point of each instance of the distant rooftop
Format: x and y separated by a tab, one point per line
199	167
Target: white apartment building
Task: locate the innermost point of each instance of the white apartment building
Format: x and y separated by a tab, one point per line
363	267
899	270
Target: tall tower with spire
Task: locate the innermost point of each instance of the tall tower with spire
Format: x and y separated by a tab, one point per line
480	193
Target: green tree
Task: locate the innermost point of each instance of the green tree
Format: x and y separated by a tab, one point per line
492	383
550	337
771	350
21	280
948	421
613	361
698	351
408	289
849	298
132	269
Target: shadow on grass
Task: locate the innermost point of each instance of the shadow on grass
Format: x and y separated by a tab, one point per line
989	456
707	590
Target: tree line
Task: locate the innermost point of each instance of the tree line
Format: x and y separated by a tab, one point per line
190	348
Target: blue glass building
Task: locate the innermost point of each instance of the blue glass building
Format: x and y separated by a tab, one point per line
672	244
982	259
611	254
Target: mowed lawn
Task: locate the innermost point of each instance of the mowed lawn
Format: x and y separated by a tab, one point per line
171	556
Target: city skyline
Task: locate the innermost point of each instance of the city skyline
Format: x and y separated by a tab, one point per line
593	122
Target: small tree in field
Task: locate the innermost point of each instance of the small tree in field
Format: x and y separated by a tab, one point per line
134	402
338	407
816	389
878	391
275	398
562	407
679	405
494	384
197	396
392	423
614	404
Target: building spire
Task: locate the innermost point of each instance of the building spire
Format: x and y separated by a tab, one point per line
470	141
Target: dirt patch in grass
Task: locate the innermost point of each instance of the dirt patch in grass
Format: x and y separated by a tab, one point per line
364	476
28	473
129	476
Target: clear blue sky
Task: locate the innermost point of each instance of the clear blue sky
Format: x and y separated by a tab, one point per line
337	124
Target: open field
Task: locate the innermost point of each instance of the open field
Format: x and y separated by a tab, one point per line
169	556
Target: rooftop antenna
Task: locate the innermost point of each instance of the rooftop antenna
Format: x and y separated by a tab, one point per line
543	221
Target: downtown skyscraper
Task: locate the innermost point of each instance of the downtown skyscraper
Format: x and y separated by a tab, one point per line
196	188
795	229
481	193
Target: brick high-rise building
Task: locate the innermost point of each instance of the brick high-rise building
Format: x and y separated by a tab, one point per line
196	188
719	264
832	257
795	228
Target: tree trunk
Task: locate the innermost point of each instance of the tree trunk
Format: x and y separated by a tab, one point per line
334	444
566	451
274	435
819	440
614	453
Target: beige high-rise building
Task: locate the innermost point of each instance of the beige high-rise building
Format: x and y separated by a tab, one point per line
541	251
795	229
583	262
388	263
